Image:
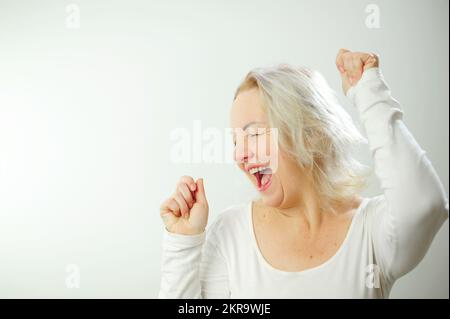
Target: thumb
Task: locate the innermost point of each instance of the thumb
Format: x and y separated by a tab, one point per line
200	195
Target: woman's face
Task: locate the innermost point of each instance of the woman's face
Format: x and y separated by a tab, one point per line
274	174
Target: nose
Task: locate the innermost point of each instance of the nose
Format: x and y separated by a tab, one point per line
242	153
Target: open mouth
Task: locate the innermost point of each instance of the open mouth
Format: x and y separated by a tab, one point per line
263	176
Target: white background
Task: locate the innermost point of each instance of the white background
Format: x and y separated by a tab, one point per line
86	116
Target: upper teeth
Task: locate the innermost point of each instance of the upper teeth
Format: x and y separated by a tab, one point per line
256	169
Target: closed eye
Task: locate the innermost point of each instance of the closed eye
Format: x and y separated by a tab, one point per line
258	132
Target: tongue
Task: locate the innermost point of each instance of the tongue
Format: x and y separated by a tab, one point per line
264	179
258	177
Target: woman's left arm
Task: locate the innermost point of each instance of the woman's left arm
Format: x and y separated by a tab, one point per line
414	204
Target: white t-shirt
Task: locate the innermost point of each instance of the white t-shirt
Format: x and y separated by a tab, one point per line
388	236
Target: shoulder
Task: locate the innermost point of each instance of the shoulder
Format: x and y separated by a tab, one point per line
231	216
230	223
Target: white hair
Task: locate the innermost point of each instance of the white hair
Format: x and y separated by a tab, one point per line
313	128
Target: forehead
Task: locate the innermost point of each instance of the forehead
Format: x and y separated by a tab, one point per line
247	107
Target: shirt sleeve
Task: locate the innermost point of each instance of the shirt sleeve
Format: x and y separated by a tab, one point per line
193	266
413	204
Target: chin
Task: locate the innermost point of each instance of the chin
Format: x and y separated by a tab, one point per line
274	198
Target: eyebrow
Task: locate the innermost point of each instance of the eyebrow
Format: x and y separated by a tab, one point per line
250	123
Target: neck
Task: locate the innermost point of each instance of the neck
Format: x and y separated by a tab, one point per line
305	209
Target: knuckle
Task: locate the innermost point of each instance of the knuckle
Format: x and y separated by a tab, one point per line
171	203
166	204
180	184
186	179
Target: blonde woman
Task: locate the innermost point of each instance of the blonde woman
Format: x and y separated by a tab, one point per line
310	235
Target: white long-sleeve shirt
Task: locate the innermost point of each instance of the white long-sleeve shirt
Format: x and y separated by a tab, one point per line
389	234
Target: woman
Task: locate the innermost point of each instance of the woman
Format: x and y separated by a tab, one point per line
310	235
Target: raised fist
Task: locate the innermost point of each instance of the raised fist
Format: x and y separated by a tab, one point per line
186	211
351	66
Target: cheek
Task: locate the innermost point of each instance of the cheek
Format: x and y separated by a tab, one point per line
279	178
264	146
281	172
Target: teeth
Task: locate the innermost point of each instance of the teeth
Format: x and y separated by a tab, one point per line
256	169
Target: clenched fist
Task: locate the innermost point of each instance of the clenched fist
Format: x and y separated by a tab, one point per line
351	66
186	211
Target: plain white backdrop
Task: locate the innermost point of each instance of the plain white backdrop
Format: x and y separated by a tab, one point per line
86	113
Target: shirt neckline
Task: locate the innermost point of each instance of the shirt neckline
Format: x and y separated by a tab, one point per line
267	265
